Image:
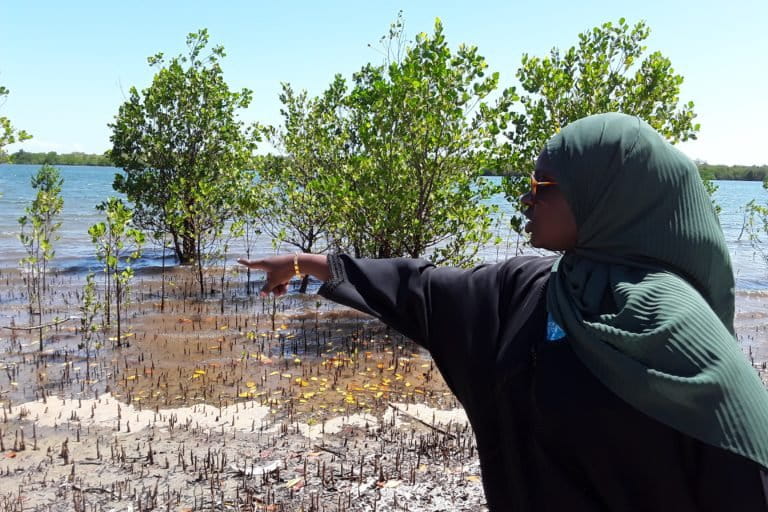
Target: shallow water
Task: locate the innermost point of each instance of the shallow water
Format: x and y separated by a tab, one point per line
85	187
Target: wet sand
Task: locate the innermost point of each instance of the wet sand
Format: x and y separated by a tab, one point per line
294	404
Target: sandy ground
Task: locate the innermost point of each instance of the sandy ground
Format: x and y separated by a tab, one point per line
101	454
245	404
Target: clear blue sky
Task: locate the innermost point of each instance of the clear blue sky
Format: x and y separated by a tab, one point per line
69	64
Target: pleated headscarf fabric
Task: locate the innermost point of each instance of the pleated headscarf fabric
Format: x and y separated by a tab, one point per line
647	295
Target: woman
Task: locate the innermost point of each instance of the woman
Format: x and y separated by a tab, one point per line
606	379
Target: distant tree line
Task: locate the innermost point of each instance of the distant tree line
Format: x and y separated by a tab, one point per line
733	172
54	158
707	171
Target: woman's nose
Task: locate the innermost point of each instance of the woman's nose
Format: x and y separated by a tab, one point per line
527	199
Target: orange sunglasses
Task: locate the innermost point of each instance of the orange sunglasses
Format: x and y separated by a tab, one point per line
535	184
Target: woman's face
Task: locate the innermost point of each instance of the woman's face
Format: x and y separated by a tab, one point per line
550	221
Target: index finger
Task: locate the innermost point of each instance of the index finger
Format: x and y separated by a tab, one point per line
257	264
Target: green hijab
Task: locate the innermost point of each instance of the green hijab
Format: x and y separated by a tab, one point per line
647	295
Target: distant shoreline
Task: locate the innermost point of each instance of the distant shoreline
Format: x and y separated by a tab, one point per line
108	166
22	157
732	173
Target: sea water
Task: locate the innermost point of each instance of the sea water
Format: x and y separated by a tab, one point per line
85	187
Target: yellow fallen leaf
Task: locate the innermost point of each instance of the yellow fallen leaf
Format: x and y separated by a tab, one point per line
295	482
250	384
131	377
199	372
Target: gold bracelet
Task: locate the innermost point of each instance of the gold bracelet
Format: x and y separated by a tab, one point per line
296	265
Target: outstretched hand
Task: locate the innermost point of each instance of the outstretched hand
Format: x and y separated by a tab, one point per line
279	271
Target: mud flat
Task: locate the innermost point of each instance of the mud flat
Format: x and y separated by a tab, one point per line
240	404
